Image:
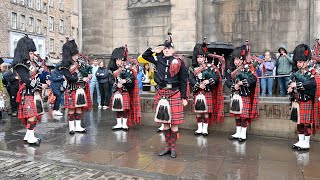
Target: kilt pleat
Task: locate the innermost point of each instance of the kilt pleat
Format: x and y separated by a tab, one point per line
27	108
306	114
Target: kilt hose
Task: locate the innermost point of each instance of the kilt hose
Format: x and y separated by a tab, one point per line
125	100
175	101
209	101
306	112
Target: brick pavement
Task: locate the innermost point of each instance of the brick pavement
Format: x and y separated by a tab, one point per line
17	167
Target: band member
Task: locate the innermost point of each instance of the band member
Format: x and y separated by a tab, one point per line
171	78
245	92
205	81
28	96
77	94
125	100
304	90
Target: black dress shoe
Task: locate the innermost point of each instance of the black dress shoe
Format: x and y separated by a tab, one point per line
233	138
159	130
164	152
84	131
173	154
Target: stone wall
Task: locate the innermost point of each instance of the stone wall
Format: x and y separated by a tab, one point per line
266	23
5	24
141	23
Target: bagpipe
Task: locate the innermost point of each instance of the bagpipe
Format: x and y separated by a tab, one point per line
38	94
294	106
83	60
298	76
81	96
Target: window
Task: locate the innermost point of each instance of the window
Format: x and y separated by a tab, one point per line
51	3
45	30
51	23
45	7
38	26
51	45
62	5
22	22
31	24
61	26
14	20
30	4
38	5
22	2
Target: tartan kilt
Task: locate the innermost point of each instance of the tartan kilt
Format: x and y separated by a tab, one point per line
306	114
209	100
27	108
175	101
70	98
125	99
246	108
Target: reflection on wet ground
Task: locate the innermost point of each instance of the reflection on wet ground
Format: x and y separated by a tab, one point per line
136	151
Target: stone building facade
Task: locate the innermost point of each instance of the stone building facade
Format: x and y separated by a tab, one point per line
47	22
143	23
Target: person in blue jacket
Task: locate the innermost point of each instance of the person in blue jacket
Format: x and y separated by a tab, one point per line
57	79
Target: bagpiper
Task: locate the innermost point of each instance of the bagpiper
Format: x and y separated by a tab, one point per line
125	100
28	96
304	90
171	77
244	84
77	94
206	84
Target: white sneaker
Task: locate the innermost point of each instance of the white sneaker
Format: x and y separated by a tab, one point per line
57	113
99	107
105	107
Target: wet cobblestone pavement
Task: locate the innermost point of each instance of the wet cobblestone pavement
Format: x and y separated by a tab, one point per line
106	154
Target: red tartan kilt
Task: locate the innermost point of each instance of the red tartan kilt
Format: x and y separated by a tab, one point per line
126	100
175	101
209	100
306	114
27	108
246	108
70	99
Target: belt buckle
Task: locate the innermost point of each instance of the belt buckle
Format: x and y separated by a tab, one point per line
168	86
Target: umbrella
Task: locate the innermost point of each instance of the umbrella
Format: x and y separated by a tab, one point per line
142	60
